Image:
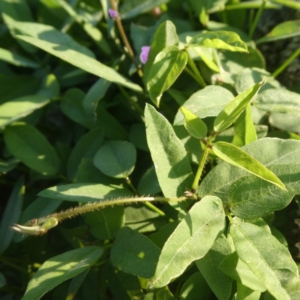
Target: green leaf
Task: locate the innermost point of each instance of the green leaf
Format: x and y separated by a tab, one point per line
64	47
17	59
282	31
208	265
82	192
225	40
278	100
165	36
61	268
170	159
204	222
195	286
86	147
133	8
269	151
250	197
275	269
94	95
244	293
18	108
239	271
241	159
2	280
244	129
148	184
167	66
134	253
208	102
8	165
11	214
105	223
116	159
143	219
194	125
32	148
235	107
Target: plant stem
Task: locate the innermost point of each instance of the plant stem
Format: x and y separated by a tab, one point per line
203	160
257	17
196	72
125	40
42	225
149	205
286	63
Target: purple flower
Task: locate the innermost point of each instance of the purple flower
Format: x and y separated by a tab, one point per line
144	54
113	13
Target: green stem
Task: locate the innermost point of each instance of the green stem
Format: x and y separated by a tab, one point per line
149	205
200	168
42	225
196	72
203	160
286	63
257	17
125	40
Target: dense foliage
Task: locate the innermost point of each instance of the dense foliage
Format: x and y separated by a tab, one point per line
149	150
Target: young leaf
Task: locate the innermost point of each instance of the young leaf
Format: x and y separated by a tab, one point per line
170	159
244	292
193	124
86	147
244	130
282	31
250	197
208	265
116	159
165	36
269	151
235	107
61	268
167	66
241	159
276	268
134	253
11	214
32	148
191	240
84	192
225	40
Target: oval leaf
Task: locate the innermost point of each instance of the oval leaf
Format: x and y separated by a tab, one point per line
191	240
235	107
32	148
59	269
134	253
84	192
226	40
250	197
194	125
165	36
167	66
86	147
220	283
116	159
269	151
241	159
170	159
275	269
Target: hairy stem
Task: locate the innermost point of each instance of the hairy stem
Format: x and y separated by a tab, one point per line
196	73
42	225
257	17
